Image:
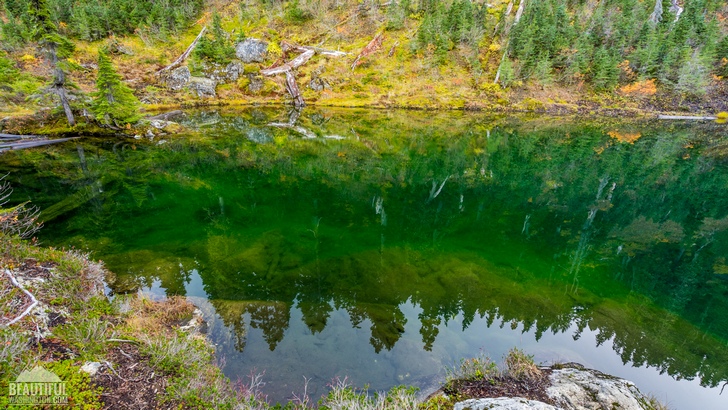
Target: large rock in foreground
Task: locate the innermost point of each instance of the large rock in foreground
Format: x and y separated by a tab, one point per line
503	403
574	387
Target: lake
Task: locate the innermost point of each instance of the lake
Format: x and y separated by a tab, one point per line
385	246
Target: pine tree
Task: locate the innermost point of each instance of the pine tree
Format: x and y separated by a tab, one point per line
56	47
113	102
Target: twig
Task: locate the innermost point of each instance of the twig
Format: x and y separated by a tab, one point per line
106	362
30	295
122	341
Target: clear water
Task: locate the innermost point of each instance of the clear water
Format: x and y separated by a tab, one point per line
396	243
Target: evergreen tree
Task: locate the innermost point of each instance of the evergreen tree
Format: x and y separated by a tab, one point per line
113	102
56	47
217	48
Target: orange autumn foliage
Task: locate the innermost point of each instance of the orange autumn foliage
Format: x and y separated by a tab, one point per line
640	88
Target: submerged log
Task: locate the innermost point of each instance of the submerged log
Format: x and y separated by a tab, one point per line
166	116
687	117
18	136
32	143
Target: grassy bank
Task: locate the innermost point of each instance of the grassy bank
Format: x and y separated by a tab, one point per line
408	69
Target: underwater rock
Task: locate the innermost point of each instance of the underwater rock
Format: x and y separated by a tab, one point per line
251	50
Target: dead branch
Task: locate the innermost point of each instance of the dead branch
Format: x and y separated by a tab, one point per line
372	47
184	55
391	50
30	295
296	62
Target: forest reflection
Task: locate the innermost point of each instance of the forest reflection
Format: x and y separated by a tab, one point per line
618	228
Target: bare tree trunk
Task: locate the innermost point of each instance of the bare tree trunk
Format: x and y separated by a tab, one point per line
59	81
519	12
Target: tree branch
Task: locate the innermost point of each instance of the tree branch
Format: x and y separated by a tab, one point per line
30	295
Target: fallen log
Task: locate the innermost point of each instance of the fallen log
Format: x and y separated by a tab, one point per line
286	47
32	144
184	55
296	62
370	48
293	90
18	136
687	117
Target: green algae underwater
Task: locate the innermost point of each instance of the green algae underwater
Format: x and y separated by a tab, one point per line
384	246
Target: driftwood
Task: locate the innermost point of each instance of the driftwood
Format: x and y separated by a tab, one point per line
22	289
184	55
293	90
286	47
687	117
18	137
296	62
372	47
32	143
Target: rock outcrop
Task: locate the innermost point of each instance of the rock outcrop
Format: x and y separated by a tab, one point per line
178	78
503	403
251	50
575	387
572	387
203	87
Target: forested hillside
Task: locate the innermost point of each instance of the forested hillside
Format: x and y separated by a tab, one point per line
666	55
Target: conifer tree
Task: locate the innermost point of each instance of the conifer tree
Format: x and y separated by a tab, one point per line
113	102
56	47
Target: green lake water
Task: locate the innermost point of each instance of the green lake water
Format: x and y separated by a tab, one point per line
386	246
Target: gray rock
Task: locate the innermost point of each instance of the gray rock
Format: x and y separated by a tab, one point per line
575	387
91	368
178	78
203	87
256	83
251	50
233	71
503	403
318	84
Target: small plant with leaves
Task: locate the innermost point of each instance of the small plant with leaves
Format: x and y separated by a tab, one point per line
520	365
477	368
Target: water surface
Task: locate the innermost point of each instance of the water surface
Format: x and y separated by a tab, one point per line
386	246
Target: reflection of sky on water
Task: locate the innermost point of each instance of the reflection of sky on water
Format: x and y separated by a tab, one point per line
341	350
